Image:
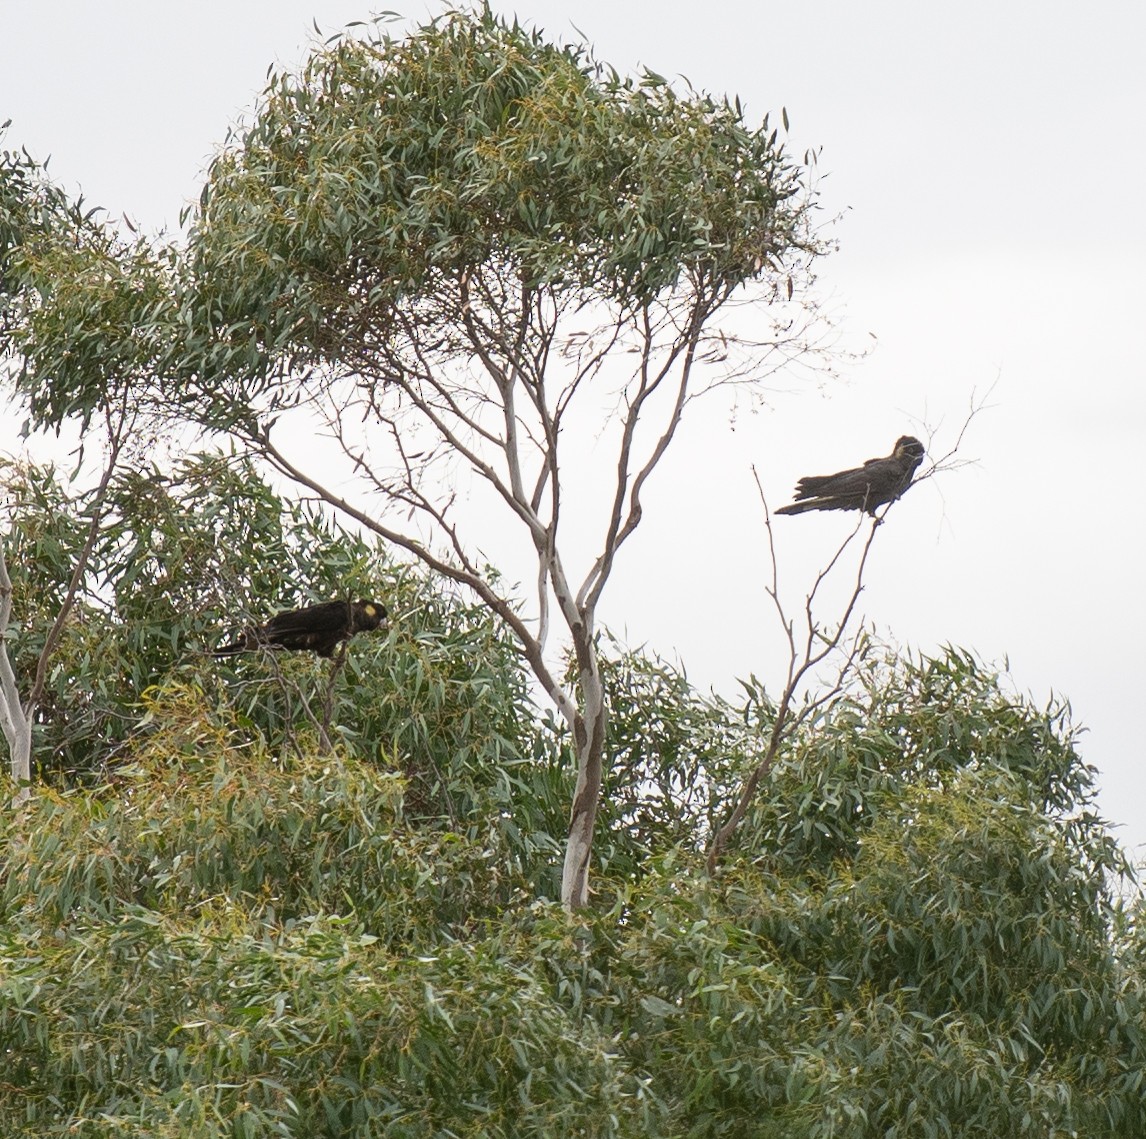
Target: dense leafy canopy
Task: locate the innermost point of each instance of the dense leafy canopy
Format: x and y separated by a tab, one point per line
388	166
382	169
86	314
221	931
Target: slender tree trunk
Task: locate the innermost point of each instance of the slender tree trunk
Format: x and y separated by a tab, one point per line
16	721
579	846
22	763
589	746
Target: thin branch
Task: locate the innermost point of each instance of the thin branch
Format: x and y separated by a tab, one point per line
11	709
621	524
336	666
17	720
520	506
787	720
54	633
946	461
464	575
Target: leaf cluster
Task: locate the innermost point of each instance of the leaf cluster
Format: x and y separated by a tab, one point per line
915	934
86	312
387	166
226	950
184	560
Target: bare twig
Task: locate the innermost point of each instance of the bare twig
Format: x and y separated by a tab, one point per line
817	645
949	460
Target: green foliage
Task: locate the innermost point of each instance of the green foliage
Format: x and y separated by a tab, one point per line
399	232
285	839
224	940
673	758
171	567
209	926
383	168
319	1032
919	723
182	560
86	314
918	934
389	167
220	942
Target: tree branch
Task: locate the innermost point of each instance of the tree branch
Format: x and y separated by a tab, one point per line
621	525
786	721
465	575
78	570
11	707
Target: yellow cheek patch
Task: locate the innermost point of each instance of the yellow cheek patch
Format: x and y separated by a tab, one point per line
371	611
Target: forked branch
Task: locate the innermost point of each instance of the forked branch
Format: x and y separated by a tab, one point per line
804	655
815	644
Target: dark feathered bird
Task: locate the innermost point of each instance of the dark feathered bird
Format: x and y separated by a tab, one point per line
318	628
877	482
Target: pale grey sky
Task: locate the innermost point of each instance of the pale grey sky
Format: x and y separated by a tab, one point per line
987	164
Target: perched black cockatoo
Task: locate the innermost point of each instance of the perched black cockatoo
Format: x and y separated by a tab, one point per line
318	628
877	482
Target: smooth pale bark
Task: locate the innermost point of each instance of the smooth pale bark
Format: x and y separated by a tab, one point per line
589	744
16	722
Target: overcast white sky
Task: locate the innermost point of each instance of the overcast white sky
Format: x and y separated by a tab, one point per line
988	164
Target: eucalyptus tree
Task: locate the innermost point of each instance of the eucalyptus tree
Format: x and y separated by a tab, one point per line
476	254
497	272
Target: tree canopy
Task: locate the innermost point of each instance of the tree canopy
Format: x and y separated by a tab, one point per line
914	932
389	171
219	918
